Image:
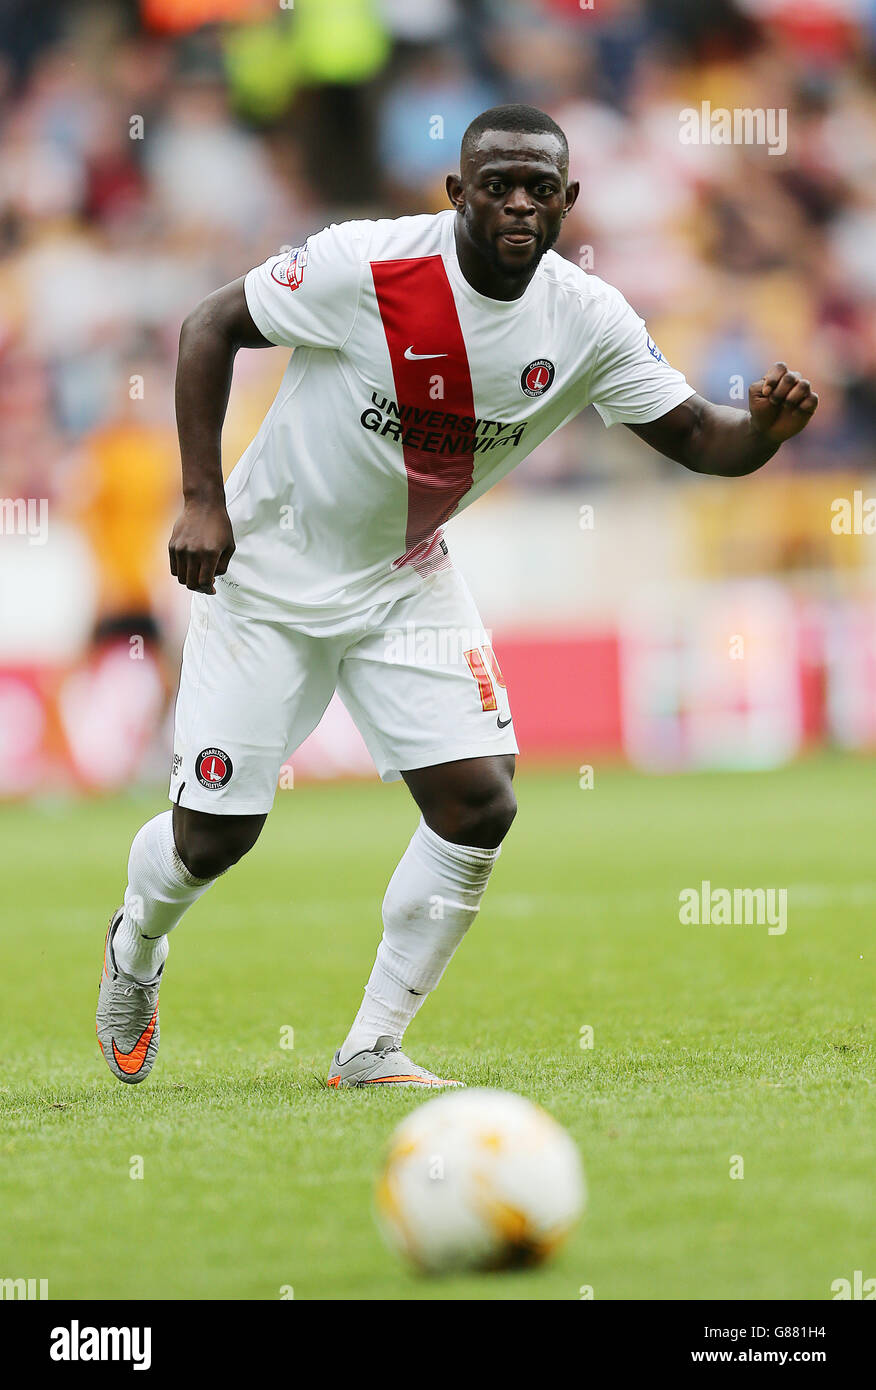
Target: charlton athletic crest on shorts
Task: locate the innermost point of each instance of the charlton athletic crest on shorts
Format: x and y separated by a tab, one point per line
213	768
537	377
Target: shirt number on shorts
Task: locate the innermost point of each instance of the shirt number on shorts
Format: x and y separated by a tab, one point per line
486	688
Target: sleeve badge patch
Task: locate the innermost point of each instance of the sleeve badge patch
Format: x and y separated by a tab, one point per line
289	271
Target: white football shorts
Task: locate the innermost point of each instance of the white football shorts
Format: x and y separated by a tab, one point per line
418	675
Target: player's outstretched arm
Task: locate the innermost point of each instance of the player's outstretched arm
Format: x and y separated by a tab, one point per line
202	542
717	439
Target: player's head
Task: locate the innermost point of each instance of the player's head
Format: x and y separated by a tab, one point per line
513	188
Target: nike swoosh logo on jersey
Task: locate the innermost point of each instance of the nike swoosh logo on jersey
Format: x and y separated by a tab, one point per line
421	356
502	723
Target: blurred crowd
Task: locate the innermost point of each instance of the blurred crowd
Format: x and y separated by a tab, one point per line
151	151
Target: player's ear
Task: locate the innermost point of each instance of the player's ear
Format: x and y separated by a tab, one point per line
455	191
572	191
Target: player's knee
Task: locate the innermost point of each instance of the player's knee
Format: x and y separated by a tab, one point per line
496	818
207	857
482	819
208	845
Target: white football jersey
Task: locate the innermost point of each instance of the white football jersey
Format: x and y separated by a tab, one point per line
408	395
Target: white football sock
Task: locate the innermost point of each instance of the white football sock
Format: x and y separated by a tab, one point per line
432	900
160	889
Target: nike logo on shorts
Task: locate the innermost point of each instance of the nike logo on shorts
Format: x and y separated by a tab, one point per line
502	723
422	356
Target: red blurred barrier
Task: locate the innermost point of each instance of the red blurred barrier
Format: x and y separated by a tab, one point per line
565	692
666	697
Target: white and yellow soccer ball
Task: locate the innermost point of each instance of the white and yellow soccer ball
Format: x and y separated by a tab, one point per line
479	1179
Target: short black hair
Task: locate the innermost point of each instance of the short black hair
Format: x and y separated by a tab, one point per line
517	117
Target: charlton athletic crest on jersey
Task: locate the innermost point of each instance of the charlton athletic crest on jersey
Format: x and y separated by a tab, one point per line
290	270
537	377
213	768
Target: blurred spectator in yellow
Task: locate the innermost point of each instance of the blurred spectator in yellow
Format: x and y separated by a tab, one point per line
123	494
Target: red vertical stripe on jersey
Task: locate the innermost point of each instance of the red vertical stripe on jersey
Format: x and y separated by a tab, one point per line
419	316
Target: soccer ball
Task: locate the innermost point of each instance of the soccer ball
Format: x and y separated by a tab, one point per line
479	1179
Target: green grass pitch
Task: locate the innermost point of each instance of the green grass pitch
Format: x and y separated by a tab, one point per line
708	1042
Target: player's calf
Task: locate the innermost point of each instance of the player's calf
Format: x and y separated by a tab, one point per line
174	859
432	900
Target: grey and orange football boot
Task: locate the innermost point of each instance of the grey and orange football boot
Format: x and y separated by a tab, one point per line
384	1064
127	1016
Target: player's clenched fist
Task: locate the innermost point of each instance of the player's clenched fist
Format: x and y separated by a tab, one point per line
201	546
782	403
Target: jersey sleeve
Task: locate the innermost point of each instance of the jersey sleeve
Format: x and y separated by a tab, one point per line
309	296
631	381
